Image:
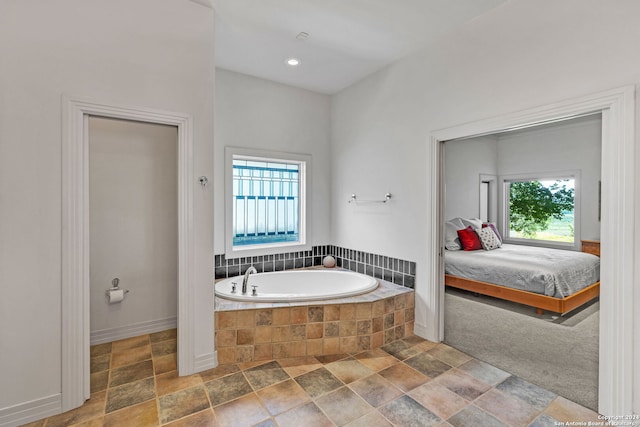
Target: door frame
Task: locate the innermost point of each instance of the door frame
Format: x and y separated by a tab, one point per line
75	239
617	106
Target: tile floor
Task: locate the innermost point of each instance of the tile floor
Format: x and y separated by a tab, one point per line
409	382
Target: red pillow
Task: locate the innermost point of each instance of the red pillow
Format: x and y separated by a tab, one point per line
469	239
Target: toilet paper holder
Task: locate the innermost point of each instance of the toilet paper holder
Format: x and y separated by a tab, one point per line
114	287
117	288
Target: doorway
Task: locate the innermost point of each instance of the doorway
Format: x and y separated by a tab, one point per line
76	243
133	210
558	353
618	197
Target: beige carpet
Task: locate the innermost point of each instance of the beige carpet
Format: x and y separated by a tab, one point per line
554	352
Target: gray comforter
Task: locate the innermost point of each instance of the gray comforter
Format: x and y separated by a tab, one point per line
553	272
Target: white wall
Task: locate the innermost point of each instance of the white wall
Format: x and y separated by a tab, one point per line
133	208
521	55
257	113
566	146
149	53
465	161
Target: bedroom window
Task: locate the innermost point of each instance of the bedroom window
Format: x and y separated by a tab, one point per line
266	202
541	209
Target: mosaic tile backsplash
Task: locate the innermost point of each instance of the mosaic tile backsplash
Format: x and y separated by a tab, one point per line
393	270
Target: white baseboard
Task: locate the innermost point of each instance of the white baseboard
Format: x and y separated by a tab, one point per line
31	411
142	328
205	361
421	330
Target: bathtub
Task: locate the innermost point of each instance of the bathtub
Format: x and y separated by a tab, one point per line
297	285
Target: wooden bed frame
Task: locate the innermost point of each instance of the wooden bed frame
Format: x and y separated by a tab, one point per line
540	302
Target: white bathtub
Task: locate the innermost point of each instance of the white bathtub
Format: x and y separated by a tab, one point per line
297	285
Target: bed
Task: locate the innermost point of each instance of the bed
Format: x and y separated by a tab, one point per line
548	279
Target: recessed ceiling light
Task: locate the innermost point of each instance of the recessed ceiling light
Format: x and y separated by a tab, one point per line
294	62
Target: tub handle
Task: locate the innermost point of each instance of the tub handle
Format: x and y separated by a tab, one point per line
254	293
233	287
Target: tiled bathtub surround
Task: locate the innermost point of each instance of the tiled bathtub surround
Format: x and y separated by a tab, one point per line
393	270
247	332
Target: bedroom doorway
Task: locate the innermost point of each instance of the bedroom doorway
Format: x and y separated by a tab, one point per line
616	339
558	353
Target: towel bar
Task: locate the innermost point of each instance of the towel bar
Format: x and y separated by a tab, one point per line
354	199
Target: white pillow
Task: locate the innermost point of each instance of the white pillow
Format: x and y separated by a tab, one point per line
473	222
451	240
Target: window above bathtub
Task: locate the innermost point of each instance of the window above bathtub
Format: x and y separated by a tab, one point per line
265	201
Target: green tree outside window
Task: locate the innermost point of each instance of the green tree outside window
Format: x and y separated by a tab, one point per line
533	206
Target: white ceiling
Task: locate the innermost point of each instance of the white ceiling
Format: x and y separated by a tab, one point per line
348	39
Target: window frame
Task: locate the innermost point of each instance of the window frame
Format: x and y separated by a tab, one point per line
541	176
304	160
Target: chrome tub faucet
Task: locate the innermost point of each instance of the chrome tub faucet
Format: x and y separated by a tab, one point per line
250	270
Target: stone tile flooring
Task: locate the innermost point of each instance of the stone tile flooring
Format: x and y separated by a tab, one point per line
409	382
